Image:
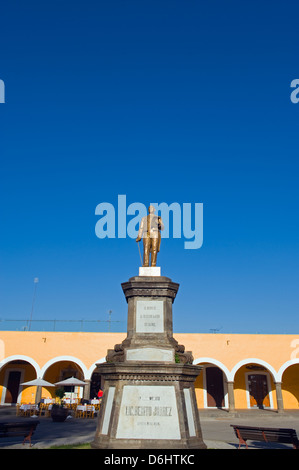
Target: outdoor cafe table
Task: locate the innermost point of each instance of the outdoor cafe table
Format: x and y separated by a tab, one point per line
24	408
84	408
30	406
46	401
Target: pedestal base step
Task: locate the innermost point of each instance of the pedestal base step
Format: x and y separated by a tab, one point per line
149	406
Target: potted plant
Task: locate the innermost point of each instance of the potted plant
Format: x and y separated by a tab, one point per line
59	412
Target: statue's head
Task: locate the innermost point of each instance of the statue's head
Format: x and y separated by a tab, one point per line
151	209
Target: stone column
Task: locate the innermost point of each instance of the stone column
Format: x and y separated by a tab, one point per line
279	398
86	393
231	396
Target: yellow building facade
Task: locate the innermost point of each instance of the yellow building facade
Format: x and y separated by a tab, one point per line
239	371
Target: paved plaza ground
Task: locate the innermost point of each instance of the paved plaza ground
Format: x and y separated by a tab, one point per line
216	429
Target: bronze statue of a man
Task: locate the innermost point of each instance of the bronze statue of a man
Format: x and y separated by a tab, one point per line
150	230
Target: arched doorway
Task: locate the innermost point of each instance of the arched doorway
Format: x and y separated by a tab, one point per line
215	397
258	389
12	381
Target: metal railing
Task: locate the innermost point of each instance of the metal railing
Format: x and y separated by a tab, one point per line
80	325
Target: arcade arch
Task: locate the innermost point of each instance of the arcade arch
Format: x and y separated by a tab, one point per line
61	368
254	384
289	378
13	372
96	381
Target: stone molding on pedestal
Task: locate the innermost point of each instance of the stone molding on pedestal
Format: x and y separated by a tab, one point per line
150	372
150	286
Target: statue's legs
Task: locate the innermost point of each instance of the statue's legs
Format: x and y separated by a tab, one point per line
146	251
150	246
154	251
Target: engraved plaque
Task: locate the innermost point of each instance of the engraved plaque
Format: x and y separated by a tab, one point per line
150	354
149	316
148	412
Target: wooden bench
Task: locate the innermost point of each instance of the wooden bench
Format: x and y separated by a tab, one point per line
281	435
19	428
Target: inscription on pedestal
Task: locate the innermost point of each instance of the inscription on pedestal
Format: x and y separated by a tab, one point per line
149	316
150	354
148	412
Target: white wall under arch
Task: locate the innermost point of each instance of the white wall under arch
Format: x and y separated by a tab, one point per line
93	367
254	360
215	362
65	358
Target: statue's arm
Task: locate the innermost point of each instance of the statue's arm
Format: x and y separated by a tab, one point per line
140	232
160	222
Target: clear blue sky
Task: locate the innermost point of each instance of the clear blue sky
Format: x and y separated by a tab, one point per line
172	101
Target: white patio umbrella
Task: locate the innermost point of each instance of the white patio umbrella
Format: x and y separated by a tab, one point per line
71	382
39	383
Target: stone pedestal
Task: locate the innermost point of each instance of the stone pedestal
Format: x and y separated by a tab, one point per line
149	400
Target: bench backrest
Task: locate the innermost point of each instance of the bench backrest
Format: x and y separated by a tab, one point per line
283	435
17	428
